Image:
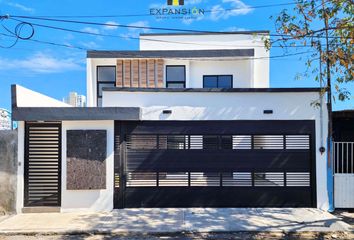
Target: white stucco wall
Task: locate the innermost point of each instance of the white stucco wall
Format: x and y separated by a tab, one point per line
74	200
216	41
28	98
20	166
246	73
89	200
241	70
232	106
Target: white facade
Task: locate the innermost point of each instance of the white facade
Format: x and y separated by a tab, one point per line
233	106
88	200
247	72
260	62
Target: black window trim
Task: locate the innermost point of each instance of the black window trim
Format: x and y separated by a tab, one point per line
99	82
217	79
185	76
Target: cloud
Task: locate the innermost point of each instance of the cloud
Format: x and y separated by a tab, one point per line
192	2
235	8
110	27
40	63
234	29
90	45
21	7
134	32
188	21
91	30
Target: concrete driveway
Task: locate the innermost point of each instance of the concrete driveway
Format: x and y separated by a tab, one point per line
170	220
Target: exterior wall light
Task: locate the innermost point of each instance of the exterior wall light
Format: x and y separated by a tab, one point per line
167	111
268	111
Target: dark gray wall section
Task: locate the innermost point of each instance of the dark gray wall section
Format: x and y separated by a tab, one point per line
8	170
86	159
75	113
173	53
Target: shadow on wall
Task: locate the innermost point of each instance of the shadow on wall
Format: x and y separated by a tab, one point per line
8	170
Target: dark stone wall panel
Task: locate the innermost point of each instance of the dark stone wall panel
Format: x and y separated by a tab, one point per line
86	159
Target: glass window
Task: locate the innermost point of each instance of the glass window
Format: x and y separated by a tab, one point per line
99	102
175	76
224	81
175	85
106	74
106	77
103	85
217	81
175	73
210	81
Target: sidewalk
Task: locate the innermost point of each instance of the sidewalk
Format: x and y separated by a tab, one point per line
170	220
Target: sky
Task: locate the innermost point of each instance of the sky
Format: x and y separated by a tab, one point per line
57	70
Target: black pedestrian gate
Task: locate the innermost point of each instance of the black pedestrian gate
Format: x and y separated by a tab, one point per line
42	164
215	164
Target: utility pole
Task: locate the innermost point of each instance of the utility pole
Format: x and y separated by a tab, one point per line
328	69
329	108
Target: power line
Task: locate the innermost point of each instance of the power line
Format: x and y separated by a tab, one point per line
142	38
49	43
128	54
237	59
157	28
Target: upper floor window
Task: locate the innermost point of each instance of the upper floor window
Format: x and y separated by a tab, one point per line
217	81
175	76
106	77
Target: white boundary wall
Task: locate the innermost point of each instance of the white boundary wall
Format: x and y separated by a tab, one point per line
89	200
75	200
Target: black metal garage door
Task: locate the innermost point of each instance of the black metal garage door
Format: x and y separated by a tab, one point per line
215	164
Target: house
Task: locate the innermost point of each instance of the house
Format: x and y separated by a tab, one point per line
343	158
189	120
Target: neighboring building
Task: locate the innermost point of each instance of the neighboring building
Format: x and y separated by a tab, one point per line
75	100
189	120
343	158
5	119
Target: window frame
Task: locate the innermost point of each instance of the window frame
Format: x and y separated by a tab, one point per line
217	79
104	82
174	82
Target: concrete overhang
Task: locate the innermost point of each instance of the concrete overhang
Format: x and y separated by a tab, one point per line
44	108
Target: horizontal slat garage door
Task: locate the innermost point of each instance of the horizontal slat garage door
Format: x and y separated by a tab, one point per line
215	164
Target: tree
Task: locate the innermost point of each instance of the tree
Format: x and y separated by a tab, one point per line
326	26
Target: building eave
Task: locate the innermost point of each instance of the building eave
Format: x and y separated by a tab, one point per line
207	33
75	113
218	53
212	90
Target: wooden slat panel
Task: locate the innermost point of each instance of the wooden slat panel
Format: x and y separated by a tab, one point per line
135	71
159	73
151	73
119	75
143	73
127	73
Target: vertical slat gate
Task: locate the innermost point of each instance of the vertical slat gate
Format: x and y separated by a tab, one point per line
343	165
42	164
